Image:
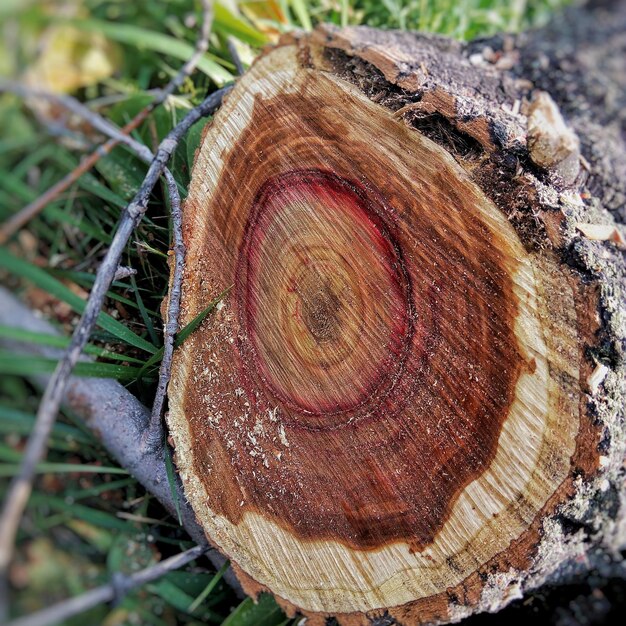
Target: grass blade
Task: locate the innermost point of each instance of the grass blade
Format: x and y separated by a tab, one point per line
58	341
169	471
12	364
184	333
302	13
144	312
14	421
209	588
264	613
227	23
44	281
80	511
158	42
8	471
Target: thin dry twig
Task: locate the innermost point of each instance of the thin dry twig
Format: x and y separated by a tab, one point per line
31	210
153	436
119	586
95	120
21	486
234	55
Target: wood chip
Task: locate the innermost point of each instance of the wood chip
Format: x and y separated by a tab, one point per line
597	378
602	232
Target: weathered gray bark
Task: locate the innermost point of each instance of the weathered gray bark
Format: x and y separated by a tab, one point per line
580	59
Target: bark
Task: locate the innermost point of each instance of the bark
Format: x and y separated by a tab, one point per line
469	177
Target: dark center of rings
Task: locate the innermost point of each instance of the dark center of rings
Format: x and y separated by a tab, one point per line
320	309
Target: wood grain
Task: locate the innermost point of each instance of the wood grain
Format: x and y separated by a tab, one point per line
389	396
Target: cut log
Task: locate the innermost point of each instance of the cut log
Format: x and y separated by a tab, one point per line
407	408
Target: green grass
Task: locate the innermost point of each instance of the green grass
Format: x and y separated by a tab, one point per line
73	536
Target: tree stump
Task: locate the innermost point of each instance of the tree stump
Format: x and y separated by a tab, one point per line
409	406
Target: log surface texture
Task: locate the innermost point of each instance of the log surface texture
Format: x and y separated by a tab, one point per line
409	407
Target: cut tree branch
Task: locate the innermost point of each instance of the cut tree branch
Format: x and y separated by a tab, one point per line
410	407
